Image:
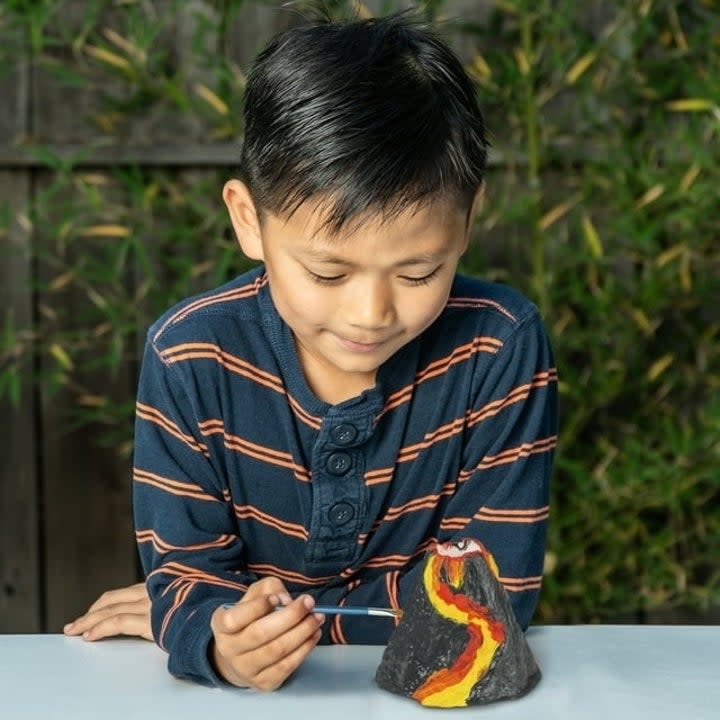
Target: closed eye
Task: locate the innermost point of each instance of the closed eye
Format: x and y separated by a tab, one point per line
324	279
424	280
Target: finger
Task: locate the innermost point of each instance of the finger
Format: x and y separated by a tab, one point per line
268	625
268	640
132	593
90	619
232	619
273	676
265	586
120	624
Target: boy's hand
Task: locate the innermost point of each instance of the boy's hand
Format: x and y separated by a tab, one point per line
257	647
116	612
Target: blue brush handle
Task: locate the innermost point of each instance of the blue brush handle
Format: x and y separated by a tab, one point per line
337	610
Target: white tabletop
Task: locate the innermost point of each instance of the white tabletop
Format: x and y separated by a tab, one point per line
589	672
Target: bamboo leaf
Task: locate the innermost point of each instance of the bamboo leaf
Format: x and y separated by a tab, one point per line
124	44
591	237
480	67
689	177
105	231
61	356
642	320
650	196
108	57
522	61
212	99
660	366
579	67
61	281
684	271
690	105
553	215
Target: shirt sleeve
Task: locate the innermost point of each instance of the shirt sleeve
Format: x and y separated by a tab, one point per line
185	529
502	491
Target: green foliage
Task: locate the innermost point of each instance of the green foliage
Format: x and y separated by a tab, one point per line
601	206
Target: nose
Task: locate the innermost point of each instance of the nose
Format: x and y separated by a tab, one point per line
370	305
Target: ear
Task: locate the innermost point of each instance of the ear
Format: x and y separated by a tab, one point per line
244	218
475	208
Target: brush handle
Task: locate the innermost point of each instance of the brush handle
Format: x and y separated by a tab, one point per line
338	610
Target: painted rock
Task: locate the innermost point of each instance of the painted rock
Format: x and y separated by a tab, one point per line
458	642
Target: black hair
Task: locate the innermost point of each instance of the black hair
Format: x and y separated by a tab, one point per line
363	115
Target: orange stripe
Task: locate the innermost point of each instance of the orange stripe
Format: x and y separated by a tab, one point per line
378	477
286	528
185	572
265	569
180	596
513	516
231	363
527	511
458	425
237	294
440	366
174	487
411	452
143	536
153	415
426	502
516	395
391	585
336	630
398	560
454	523
250	449
312	420
479	302
521	584
513	454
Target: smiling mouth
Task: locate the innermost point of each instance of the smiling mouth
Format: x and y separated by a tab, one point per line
360	346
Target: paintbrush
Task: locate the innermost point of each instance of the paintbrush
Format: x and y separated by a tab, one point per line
342	610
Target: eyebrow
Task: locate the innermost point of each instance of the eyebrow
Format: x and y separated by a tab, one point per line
322	256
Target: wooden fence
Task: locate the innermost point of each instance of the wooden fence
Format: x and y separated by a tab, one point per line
65	503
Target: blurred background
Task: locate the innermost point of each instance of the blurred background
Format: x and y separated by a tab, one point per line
119	122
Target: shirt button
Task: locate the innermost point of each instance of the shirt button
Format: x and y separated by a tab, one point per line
343	434
339	463
341	513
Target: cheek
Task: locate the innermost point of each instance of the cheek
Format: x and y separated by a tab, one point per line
308	306
419	312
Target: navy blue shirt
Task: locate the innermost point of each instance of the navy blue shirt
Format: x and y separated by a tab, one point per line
242	472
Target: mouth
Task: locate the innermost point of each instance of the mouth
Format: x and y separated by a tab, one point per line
361	347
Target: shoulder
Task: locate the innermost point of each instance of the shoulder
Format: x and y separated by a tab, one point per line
480	306
210	313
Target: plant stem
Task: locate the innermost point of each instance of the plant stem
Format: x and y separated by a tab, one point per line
532	131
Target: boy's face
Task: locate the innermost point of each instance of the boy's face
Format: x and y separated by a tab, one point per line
353	300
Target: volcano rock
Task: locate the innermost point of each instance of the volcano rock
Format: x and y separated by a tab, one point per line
458	642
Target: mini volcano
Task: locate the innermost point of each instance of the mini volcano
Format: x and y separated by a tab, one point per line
458	642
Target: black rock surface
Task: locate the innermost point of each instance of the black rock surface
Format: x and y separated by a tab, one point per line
426	643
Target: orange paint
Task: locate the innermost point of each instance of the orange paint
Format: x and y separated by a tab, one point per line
443	579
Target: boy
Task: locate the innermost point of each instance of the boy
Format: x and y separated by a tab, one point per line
306	432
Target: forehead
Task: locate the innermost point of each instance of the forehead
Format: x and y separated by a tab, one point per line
311	224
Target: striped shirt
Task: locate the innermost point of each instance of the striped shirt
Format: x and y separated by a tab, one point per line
242	472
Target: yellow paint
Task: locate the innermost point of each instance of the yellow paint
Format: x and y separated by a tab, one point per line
456	694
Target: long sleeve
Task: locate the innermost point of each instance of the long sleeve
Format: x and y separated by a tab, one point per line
185	529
